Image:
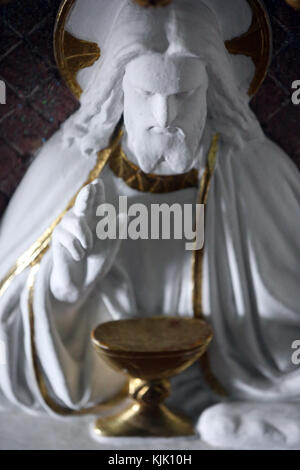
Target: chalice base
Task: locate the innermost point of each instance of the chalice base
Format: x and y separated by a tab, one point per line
140	420
149	351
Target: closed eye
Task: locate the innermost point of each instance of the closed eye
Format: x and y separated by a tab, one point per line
144	93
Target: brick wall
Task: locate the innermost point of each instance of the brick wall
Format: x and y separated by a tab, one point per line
38	101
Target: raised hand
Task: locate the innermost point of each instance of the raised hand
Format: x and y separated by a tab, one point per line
79	257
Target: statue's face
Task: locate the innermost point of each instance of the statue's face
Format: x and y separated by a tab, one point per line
165	111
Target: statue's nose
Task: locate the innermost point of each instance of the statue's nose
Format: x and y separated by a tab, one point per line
164	109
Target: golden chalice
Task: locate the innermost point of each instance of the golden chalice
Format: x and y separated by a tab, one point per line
150	351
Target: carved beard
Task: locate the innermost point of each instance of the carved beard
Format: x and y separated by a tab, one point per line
179	150
151	149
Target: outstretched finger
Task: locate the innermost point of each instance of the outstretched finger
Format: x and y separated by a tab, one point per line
84	200
99	191
93	192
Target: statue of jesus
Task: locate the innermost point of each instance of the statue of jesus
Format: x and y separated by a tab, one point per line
167	73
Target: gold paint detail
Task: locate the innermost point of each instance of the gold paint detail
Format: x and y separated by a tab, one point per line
255	43
39	248
134	177
72	54
202	199
33	256
140	420
174	336
198	257
149	392
294	3
179	342
39	376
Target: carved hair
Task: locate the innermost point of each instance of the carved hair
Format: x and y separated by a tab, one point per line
186	27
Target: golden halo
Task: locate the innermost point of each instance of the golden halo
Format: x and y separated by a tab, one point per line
73	54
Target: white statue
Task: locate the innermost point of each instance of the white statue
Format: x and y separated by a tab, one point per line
168	72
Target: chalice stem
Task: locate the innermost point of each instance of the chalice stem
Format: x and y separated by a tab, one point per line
147	415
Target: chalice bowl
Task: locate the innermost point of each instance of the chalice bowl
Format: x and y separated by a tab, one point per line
149	351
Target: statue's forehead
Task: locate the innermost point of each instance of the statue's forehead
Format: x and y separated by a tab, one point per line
161	73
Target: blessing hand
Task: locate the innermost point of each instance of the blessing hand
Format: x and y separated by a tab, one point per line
79	258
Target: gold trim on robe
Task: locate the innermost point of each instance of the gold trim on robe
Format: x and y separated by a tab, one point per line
33	256
149	182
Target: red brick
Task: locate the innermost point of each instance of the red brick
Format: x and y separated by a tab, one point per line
268	100
3	203
9	160
286	66
23	70
55	101
26	129
283	128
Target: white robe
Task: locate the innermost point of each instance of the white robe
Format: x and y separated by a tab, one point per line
250	289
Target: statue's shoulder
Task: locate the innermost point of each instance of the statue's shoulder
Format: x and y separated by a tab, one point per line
49	184
54	166
271	153
261	160
263	150
54	155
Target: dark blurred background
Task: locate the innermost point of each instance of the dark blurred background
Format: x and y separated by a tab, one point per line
38	101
